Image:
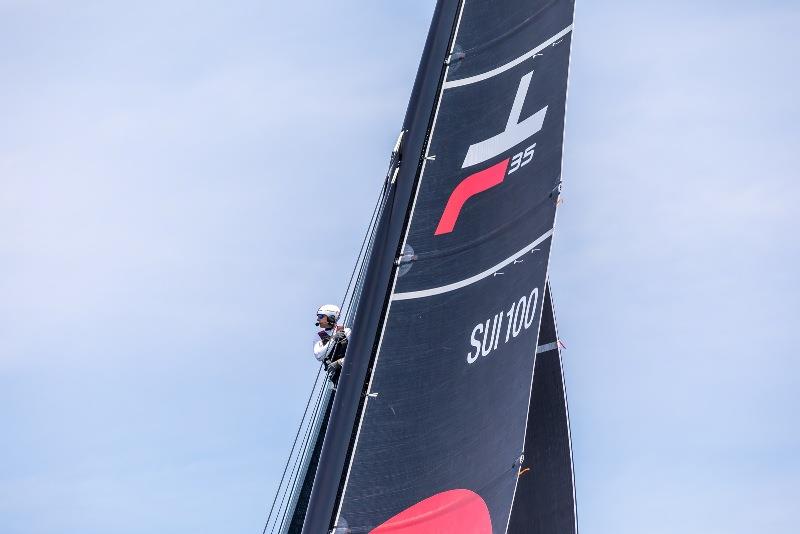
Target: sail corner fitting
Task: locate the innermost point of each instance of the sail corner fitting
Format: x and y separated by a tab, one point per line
455	56
556	191
405	260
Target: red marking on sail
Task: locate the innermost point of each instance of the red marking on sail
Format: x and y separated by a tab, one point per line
469	187
457	511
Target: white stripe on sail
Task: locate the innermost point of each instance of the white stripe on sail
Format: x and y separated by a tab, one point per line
510	64
472	279
547	347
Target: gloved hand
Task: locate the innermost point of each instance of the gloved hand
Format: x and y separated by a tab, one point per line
335	365
338	336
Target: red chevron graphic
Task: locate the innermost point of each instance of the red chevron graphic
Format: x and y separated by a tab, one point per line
469	187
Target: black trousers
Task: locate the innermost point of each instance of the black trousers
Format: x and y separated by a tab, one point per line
335	373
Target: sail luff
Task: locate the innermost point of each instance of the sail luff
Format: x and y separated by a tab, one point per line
381	267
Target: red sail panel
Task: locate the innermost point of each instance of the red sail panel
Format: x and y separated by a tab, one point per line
458	511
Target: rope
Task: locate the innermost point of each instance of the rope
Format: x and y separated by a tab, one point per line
294	443
367	240
300	457
353	290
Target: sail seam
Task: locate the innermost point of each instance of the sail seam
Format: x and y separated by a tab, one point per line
513	63
472	279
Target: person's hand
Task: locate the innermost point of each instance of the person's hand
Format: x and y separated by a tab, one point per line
339	328
335	365
338	336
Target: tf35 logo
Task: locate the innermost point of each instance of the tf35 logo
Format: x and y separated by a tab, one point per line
515	133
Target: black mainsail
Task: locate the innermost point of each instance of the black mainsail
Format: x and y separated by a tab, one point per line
445	420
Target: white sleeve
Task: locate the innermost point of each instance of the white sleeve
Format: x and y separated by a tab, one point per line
323	350
320	350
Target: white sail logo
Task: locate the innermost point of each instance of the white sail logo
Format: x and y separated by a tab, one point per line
516	132
521	314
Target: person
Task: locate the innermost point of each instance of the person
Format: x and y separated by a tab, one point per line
332	343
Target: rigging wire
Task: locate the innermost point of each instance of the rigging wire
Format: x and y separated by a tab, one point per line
283	476
353	290
362	253
369	239
300	457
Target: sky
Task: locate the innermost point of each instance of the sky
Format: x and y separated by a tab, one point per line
183	183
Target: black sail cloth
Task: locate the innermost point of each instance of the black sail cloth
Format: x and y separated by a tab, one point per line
448	399
544	502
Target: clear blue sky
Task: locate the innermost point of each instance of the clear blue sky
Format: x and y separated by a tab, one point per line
182	183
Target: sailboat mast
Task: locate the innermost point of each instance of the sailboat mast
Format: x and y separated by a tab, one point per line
374	298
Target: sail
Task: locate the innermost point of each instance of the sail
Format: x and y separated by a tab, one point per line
429	426
440	440
544	502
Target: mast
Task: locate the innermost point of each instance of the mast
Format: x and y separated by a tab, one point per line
381	266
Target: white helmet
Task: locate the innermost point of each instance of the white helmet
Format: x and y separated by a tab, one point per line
332	311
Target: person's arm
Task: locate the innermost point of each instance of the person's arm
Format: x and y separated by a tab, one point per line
341	337
322	347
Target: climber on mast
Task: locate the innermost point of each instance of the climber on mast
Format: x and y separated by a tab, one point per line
332	343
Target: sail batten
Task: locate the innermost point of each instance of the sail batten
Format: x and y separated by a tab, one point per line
513	63
471	280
